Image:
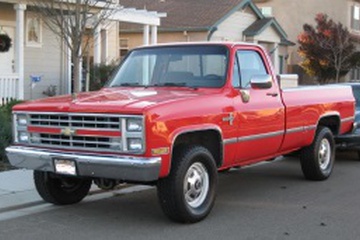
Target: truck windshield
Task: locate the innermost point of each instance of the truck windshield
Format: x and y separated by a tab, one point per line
175	66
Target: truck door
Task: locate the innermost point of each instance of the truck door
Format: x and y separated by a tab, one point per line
259	113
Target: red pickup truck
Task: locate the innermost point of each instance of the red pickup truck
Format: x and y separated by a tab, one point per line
173	116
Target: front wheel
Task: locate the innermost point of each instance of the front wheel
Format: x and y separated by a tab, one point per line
317	160
61	190
188	193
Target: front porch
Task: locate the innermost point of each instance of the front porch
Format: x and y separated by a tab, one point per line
9	88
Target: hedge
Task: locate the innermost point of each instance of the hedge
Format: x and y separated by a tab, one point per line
5	129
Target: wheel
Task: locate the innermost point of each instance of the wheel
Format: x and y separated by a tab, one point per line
61	190
358	154
317	160
188	194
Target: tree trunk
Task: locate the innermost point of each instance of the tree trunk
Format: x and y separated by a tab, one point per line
337	80
76	74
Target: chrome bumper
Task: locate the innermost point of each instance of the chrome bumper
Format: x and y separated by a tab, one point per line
125	168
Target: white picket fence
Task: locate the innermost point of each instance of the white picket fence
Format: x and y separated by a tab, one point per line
9	88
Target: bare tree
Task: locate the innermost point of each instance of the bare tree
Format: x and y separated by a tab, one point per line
75	22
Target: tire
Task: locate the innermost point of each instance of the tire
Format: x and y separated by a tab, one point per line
358	155
317	160
61	190
187	195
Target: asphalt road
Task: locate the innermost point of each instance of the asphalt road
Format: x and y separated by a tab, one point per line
269	201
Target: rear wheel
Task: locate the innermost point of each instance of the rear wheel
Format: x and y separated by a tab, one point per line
61	190
188	193
317	160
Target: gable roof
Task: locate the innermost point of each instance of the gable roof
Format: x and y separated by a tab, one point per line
189	15
260	25
201	15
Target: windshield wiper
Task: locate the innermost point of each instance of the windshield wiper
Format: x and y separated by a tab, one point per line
128	85
172	84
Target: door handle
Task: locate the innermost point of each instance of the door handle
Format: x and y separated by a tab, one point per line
272	94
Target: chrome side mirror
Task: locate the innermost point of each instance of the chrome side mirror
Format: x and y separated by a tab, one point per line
261	81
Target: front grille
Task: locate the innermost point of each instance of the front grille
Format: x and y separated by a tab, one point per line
76	122
78	141
88	121
81	131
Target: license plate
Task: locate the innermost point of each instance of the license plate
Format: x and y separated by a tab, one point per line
64	166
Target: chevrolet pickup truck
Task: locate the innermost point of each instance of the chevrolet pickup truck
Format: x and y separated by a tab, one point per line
174	115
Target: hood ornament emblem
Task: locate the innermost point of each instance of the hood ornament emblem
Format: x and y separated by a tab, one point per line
68	132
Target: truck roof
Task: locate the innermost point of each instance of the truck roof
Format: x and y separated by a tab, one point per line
228	44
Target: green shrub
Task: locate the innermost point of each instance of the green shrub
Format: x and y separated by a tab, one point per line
5	128
99	75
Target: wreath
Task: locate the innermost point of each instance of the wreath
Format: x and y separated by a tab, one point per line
5	42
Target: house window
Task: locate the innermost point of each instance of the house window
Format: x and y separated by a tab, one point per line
124	47
33	31
355	17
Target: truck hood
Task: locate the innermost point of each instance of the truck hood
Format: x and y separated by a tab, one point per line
110	100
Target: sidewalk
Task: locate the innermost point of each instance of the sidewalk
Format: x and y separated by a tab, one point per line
17	188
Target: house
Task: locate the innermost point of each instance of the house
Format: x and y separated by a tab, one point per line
294	14
38	55
210	20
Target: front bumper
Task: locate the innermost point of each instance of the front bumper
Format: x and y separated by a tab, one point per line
126	168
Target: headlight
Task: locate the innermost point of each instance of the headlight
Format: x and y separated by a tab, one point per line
134	125
135	144
23	137
22	120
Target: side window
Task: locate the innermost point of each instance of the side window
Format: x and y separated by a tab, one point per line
250	64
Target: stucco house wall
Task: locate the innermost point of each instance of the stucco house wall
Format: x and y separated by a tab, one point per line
294	14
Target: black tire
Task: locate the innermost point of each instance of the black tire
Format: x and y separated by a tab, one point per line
187	195
61	190
317	160
358	154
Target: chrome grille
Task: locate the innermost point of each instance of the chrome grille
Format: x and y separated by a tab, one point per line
78	141
78	121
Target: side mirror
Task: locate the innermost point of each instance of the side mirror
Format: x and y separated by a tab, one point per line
261	81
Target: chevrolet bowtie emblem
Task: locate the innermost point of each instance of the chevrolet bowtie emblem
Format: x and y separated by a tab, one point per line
68	132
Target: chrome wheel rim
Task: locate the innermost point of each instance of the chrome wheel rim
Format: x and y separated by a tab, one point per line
324	154
196	185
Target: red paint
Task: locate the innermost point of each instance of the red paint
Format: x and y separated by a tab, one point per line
47	130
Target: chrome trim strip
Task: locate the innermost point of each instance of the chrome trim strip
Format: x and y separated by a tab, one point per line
269	135
348	119
260	136
230	141
295	130
126	168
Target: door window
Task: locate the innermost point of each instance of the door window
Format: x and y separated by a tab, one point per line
251	64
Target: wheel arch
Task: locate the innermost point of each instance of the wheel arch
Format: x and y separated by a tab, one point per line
332	121
209	137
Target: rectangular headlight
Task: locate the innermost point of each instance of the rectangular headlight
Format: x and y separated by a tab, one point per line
23	137
22	120
135	144
134	125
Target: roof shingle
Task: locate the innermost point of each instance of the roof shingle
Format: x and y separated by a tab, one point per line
184	14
